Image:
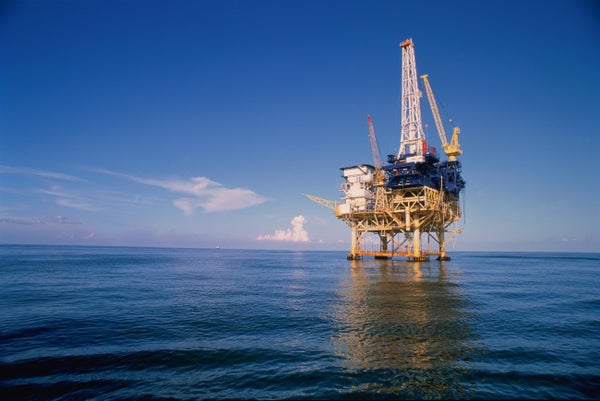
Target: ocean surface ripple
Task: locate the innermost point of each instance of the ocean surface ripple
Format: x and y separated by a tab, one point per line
113	323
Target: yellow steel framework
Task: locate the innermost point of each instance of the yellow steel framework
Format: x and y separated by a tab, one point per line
400	217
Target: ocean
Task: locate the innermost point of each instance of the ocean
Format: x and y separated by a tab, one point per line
113	323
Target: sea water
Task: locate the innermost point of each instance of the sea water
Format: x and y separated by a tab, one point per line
107	323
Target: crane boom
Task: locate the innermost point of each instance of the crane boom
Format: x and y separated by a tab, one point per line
374	147
379	174
322	201
434	110
451	149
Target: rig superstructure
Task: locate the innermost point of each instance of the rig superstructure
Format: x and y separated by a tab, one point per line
416	194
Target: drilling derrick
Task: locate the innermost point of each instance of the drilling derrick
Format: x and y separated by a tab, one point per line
412	135
400	209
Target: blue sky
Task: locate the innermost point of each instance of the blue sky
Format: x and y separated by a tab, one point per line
202	123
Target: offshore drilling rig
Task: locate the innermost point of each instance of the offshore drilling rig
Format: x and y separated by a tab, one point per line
415	195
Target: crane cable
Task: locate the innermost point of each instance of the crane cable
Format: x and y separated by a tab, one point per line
439	101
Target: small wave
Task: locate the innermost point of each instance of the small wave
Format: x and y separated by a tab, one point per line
535	255
511	383
58	390
141	360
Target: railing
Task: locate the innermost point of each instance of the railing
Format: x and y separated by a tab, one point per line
390	254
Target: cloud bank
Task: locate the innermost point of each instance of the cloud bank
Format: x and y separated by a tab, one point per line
296	233
204	193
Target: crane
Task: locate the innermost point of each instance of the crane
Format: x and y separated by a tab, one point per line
379	175
374	147
451	149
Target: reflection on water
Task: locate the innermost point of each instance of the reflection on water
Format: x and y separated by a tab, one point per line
403	327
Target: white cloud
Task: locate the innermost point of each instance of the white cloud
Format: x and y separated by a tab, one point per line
296	233
187	205
70	200
230	199
206	194
77	205
30	220
22	220
40	173
58	219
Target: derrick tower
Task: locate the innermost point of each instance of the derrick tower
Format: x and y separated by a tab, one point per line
407	207
411	133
